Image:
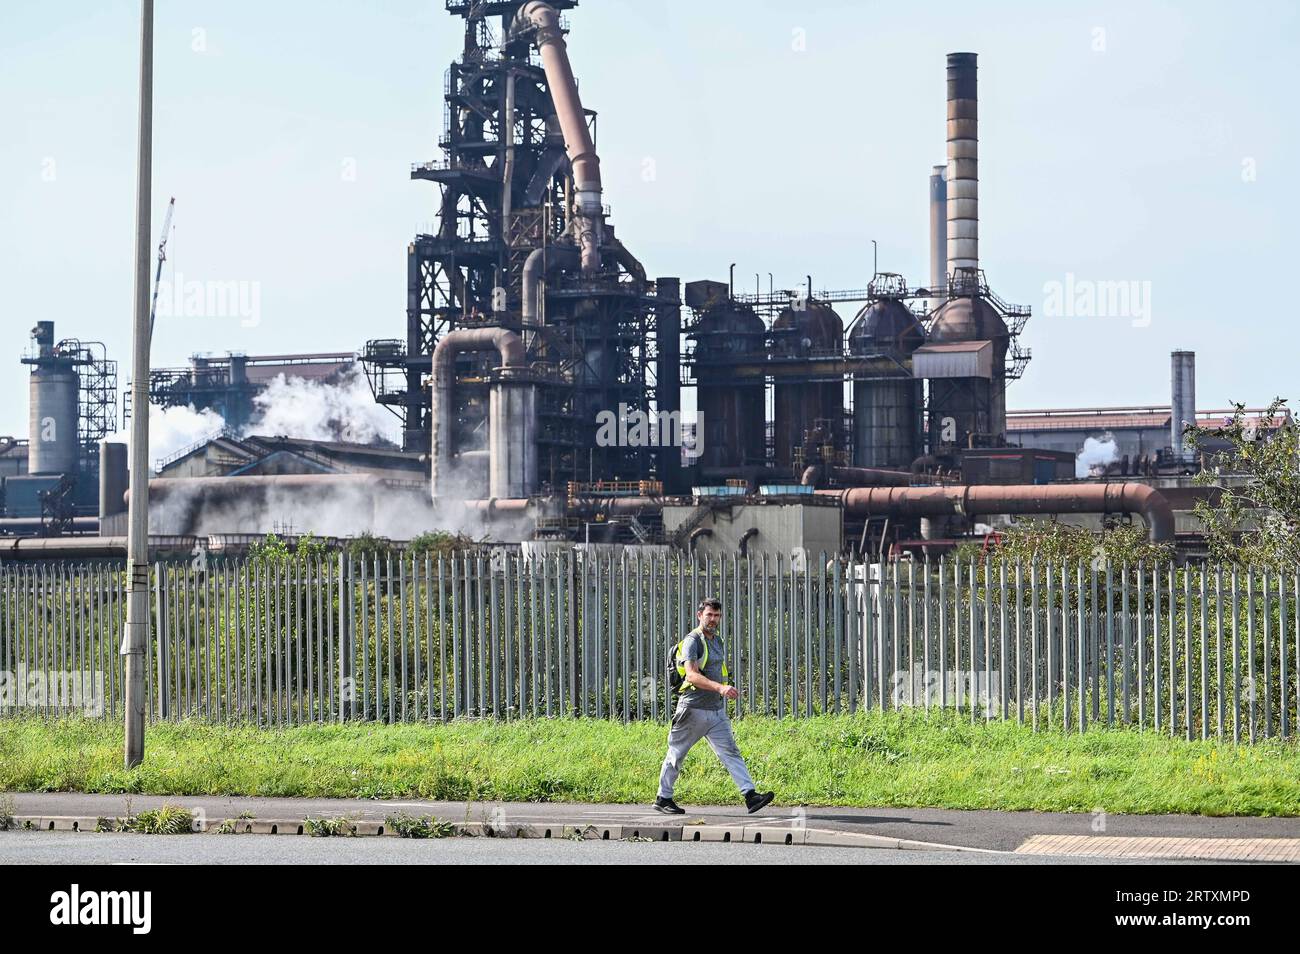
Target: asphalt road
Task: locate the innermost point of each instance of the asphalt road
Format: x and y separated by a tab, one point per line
26	848
989	830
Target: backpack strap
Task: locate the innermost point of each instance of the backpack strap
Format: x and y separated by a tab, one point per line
704	658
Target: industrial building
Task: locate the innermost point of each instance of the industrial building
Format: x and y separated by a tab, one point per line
51	481
531	325
228	384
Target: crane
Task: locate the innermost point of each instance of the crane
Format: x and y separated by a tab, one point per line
162	257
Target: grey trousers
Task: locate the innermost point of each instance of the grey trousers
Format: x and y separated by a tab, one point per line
691	725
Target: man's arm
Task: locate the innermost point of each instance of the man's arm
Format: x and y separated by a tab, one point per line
701	681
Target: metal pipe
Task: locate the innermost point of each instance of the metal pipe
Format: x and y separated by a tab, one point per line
868	476
35	525
50	548
508	175
511	418
938	237
495	505
1134	498
614	506
539	262
963	163
549	40
745	537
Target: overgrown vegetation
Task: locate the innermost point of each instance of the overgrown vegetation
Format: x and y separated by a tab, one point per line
275	549
308	548
1046	541
340	826
167	820
906	759
1257	524
419	826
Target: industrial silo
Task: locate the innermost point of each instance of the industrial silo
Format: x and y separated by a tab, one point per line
53	408
965	359
806	398
886	398
731	411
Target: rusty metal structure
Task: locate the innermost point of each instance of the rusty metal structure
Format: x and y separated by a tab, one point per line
228	384
524	245
72	406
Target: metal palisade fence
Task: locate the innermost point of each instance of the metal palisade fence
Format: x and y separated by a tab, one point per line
1194	651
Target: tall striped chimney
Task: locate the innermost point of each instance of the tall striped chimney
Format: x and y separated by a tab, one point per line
963	163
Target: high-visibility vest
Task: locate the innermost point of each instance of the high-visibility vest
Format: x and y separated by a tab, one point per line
704	659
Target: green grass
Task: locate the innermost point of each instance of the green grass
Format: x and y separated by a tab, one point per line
899	759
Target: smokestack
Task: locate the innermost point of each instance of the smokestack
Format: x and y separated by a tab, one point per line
963	163
113	480
1183	403
938	237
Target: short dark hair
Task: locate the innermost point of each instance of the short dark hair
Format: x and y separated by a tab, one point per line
710	603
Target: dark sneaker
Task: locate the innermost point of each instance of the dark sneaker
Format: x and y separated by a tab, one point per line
667	806
758	800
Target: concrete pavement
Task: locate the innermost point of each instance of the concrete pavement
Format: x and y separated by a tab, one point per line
915	828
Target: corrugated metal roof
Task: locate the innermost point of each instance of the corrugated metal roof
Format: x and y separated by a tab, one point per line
1088	422
959	359
1122	418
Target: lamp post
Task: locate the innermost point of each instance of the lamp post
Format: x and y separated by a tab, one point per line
137	559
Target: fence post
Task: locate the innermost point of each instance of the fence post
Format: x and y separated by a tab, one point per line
571	602
162	634
346	688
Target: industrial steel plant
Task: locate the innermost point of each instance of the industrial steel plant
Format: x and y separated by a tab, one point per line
552	390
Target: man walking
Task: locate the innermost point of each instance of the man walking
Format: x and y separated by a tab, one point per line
701	662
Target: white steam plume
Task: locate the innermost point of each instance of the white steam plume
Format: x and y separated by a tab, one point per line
1097	454
340	510
172	429
314	410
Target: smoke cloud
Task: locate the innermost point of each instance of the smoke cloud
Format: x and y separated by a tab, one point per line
324	508
173	429
343	410
1097	454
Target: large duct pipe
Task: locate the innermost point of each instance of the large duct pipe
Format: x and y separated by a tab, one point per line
963	163
549	41
494	505
1134	498
512	411
616	506
36	525
868	476
508	174
938	238
61	548
1183	400
539	263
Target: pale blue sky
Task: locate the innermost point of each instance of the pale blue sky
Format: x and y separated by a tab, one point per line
1122	163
